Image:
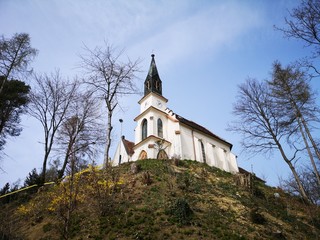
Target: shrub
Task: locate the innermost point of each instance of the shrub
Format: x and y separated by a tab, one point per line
257	192
256	217
184	181
146	178
181	211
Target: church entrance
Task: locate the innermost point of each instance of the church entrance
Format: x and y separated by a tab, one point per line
162	154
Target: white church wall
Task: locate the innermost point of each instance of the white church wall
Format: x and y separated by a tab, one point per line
187	147
114	161
153	100
202	155
157	116
217	160
149	146
226	160
172	134
158	102
233	163
213	160
216	152
120	151
185	143
138	131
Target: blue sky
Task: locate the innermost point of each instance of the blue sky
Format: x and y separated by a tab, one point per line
203	51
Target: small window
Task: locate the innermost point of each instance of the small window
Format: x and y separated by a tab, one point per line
157	85
148	84
144	129
160	128
203	152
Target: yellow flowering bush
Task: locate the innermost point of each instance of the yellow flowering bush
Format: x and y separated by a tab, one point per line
24	210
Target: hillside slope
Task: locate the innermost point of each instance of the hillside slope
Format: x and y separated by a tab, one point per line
158	199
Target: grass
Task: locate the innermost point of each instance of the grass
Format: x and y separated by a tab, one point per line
175	200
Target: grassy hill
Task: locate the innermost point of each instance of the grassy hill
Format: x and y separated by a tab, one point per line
157	199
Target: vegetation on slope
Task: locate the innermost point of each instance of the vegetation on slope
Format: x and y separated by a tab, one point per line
158	199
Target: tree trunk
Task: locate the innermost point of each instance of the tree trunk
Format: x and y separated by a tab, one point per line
48	147
314	145
294	172
44	168
108	142
70	151
316	172
66	158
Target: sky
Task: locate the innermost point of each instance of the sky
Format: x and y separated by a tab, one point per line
203	51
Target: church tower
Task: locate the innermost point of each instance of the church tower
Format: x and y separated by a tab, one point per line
161	134
153	82
153	90
152	120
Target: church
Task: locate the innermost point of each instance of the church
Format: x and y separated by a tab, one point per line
160	133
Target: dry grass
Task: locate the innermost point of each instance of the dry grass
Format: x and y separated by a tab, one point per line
154	204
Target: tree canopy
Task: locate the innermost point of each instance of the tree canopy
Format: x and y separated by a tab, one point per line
276	114
16	54
13	101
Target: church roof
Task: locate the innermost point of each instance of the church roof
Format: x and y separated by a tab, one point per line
128	146
153	71
153	82
200	128
151	138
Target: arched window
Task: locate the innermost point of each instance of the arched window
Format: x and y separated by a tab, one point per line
148	85
144	129
157	85
162	154
143	155
160	128
203	152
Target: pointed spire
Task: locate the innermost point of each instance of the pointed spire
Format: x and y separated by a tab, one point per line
153	82
153	68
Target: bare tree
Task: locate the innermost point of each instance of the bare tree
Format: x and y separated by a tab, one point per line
49	102
309	182
82	132
110	78
259	125
293	95
304	24
15	56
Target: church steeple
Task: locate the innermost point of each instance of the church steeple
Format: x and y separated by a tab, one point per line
153	82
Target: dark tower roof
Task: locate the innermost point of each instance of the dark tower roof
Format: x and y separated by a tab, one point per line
153	82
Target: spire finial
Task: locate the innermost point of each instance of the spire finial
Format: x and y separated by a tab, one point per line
152	55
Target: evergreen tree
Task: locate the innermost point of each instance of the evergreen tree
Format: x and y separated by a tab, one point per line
33	178
13	100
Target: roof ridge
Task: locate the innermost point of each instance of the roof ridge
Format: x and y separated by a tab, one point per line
199	127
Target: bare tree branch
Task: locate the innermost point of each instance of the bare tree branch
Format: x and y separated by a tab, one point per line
109	78
259	123
49	104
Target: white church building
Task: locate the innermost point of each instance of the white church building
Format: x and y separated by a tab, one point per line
160	133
